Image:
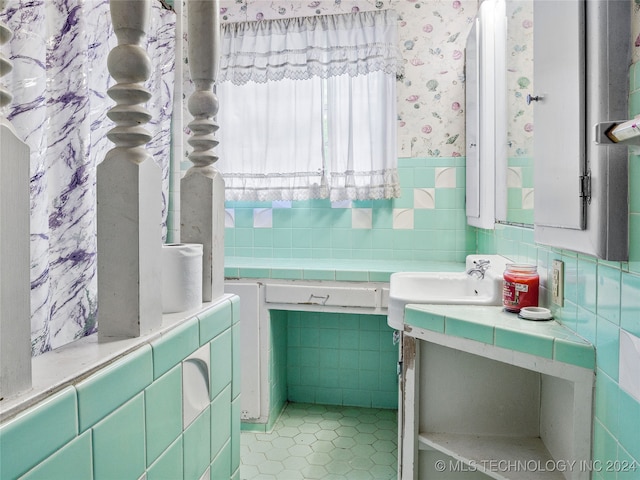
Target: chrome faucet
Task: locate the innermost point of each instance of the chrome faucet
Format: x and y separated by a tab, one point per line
479	269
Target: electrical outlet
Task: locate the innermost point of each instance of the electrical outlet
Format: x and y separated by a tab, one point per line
557	283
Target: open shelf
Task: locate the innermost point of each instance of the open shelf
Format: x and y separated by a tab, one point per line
499	457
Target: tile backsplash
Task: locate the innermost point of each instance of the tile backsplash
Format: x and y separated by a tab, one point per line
427	222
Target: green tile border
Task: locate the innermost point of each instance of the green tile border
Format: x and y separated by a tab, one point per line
471	330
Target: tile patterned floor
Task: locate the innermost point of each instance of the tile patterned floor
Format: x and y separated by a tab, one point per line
323	442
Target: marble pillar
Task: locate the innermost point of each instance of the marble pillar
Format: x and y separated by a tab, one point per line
129	191
202	188
15	287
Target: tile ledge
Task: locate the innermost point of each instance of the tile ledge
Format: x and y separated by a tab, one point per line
57	369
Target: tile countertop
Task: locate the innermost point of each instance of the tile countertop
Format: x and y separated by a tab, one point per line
330	269
494	326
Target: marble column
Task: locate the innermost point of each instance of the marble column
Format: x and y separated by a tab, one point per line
15	286
129	193
202	188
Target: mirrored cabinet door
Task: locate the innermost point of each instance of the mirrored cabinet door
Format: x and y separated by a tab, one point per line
558	99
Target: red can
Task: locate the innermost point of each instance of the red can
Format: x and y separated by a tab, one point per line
521	286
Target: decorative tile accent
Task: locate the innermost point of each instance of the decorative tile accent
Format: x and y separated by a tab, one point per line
361	218
446	177
37	433
514	177
262	218
630	364
527	198
281	204
341	204
229	217
424	198
403	219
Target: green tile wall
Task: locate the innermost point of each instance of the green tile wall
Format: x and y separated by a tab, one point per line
433	224
601	299
121	422
341	359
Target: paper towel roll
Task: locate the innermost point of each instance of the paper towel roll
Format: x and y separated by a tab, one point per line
181	277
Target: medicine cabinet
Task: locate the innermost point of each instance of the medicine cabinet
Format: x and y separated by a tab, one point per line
579	78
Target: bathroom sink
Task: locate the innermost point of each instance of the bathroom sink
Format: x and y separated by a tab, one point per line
469	287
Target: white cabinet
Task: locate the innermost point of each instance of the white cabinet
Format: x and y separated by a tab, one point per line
476	410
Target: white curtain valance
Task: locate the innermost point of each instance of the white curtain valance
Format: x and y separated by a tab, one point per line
301	48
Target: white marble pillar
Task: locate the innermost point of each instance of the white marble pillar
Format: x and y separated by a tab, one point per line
202	188
129	191
15	286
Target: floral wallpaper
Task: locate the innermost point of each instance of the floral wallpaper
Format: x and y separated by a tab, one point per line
519	64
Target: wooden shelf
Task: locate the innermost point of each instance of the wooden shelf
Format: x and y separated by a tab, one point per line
499	457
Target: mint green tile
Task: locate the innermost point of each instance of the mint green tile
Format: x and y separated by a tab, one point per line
471	330
380	276
356	398
231	272
221	465
220	421
580	354
634	242
71	461
609	293
446	197
221	358
301	237
634	103
170	465
352	276
629	466
287	273
605	450
235	365
403	239
197	446
422	319
235	309
163	412
341	218
214	321
369	381
634	183
244	236
606	402
118	442
282	238
524	342
310	274
235	434
406	176
424	177
629	424
406	197
630	302
586	284
111	387
244	217
263	237
174	346
255	273
607	347
37	433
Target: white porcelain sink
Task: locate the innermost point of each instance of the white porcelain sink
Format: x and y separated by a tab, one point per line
455	288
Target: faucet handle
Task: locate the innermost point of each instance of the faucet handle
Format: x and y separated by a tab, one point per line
483	262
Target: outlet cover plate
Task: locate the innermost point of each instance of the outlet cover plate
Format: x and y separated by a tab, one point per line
557	283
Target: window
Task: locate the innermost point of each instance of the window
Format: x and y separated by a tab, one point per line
309	108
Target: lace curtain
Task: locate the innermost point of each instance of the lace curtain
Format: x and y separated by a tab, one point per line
309	108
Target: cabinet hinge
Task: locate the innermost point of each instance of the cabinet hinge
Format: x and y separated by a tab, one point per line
585	186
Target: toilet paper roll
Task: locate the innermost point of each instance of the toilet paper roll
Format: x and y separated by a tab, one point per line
181	277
